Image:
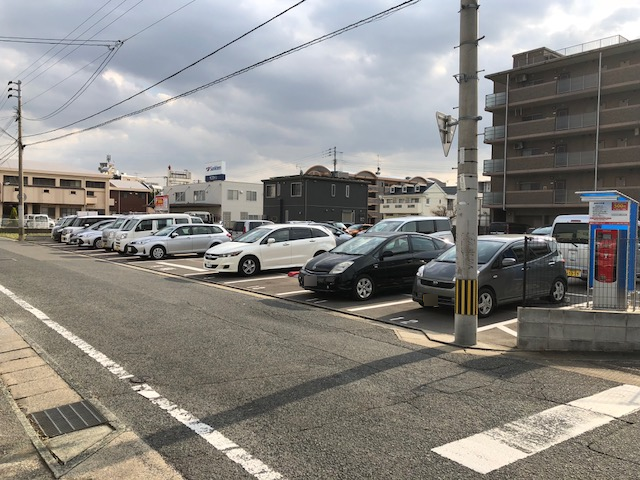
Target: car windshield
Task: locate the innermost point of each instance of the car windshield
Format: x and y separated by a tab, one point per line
118	222
132	222
253	235
165	231
486	250
385	226
360	245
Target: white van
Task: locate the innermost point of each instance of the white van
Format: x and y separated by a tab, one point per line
572	235
144	225
437	226
38	220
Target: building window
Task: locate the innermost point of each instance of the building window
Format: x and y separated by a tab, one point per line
70	183
278	193
11	180
296	189
91	184
252	196
43	182
529	186
333	189
198	196
91	193
347	189
271	191
73	192
233	194
179	196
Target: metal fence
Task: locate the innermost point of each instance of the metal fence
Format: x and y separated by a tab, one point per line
608	292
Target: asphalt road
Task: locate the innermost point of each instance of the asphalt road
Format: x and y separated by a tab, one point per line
302	392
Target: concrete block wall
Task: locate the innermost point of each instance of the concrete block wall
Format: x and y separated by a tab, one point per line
570	329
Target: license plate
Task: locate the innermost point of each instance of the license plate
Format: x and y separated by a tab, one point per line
573	272
310	281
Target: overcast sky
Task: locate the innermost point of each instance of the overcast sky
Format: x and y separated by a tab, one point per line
371	92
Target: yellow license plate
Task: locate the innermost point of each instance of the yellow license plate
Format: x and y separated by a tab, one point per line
572	272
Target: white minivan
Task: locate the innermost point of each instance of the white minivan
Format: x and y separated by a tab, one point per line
436	226
572	235
144	225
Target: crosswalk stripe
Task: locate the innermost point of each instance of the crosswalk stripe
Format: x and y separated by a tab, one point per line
495	448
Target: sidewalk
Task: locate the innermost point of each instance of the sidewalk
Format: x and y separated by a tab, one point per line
102	452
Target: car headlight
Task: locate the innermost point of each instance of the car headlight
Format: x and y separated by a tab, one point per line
230	254
341	267
123	235
420	271
112	234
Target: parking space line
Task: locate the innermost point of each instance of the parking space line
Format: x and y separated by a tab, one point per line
182	266
257	287
495	448
396	318
508	330
254	279
378	305
496	325
293	292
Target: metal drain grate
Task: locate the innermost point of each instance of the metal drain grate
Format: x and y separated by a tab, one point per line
67	418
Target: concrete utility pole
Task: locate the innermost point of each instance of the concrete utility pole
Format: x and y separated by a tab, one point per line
466	301
20	172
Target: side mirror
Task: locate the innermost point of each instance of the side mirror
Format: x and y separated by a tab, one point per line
386	254
271	240
508	262
173	234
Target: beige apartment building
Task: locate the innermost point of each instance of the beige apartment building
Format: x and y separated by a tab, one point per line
563	122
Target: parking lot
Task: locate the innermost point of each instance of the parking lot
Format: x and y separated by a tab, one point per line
394	307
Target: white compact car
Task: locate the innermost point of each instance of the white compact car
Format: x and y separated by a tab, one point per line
269	247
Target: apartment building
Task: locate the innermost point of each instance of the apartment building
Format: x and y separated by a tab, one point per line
426	199
563	122
227	201
57	193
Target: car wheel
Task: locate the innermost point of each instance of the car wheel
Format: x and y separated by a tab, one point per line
486	302
558	290
363	288
249	266
157	252
120	253
97	243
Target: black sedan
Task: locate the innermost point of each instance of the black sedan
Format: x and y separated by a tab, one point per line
370	262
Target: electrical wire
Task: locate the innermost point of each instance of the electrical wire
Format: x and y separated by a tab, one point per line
173	74
317	40
57	41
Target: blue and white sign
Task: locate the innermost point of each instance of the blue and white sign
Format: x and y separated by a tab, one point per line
215	171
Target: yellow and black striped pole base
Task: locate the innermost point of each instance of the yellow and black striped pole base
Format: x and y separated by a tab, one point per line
466	297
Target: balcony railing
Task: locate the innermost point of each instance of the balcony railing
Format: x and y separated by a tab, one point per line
493	133
495	99
574	159
491	198
575	84
493	165
568	122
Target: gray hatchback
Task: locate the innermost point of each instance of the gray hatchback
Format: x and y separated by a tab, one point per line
501	260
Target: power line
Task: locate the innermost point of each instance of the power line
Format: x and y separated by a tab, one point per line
323	38
57	41
172	75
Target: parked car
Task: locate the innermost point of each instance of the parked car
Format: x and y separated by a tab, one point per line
340	234
90	236
243	226
81	222
138	226
109	233
341	225
38	220
175	239
371	262
500	273
542	230
269	247
60	224
357	228
437	226
501	228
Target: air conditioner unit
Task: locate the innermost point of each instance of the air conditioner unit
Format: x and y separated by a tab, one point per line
523	77
518	145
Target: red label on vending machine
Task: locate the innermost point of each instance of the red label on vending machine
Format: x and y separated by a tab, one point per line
606	255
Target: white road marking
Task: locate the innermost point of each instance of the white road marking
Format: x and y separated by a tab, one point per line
495	448
255	279
256	287
508	330
235	453
409	322
396	318
496	325
378	305
182	266
293	292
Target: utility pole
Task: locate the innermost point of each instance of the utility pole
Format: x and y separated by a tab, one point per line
466	300
20	149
